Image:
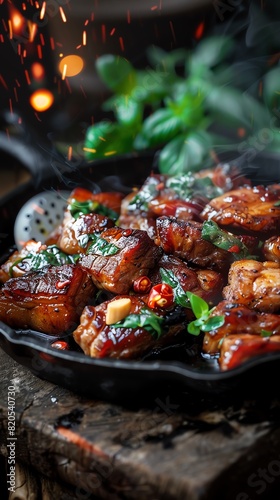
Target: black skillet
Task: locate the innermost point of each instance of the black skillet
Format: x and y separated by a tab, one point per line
181	367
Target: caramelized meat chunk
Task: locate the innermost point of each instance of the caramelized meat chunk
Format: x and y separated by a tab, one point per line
134	255
184	240
73	230
49	301
97	339
237	349
206	283
239	320
271	249
250	208
10	268
254	284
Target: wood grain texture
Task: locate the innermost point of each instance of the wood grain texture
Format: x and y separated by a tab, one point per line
176	448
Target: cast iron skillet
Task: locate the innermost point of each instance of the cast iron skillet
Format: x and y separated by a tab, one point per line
181	366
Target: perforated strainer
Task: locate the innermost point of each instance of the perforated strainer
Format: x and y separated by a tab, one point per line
39	216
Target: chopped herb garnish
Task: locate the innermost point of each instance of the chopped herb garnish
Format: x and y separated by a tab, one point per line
99	246
224	240
187	186
51	256
266	333
180	296
146	319
141	200
203	321
78	208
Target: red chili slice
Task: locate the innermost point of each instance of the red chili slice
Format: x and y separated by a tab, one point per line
142	285
161	295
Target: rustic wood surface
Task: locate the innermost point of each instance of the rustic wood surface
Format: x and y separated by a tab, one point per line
175	448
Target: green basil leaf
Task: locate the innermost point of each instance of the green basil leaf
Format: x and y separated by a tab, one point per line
52	256
223	239
211	51
146	319
180	296
78	208
161	127
128	112
97	139
199	307
193	329
266	333
271	89
186	153
117	73
213	323
99	246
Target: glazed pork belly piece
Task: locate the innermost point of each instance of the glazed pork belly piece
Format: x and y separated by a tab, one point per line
74	229
183	239
48	301
205	283
238	349
239	320
271	249
83	202
10	269
99	339
248	208
254	284
131	254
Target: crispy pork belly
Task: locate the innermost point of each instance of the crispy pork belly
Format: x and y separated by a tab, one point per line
183	239
249	208
206	283
225	176
271	249
73	230
135	255
10	269
97	339
49	301
238	349
111	200
254	284
239	320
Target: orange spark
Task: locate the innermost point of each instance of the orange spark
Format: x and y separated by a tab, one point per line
32	31
1	37
69	154
89	150
11	106
42	39
103	33
27	76
16	94
52	43
121	43
39	50
86	22
62	13
64	72
154	7
10	29
84	37
199	30
43	11
112	31
128	17
3	82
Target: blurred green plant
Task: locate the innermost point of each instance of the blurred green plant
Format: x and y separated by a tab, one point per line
186	105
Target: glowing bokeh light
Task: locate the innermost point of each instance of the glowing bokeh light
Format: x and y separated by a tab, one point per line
41	100
73	64
38	71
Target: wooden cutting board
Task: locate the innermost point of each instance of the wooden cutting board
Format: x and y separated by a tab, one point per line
178	447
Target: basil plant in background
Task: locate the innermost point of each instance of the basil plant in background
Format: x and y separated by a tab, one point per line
185	105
